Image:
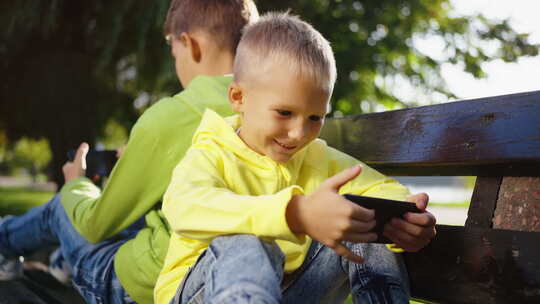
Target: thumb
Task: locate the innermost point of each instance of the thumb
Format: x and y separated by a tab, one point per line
335	182
80	156
420	199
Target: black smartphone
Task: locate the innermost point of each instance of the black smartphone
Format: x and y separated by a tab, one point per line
99	164
385	210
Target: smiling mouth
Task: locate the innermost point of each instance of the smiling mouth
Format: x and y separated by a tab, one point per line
284	146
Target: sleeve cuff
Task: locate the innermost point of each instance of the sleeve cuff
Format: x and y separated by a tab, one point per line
272	222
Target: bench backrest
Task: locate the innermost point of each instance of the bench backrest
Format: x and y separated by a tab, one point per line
496	139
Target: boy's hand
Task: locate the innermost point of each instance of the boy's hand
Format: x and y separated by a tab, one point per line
329	218
77	167
416	230
120	151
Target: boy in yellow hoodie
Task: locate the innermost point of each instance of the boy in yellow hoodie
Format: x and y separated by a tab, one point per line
256	205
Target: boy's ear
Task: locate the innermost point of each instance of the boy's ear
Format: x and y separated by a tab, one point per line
236	97
193	45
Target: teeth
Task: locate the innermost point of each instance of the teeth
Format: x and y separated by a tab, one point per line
285	146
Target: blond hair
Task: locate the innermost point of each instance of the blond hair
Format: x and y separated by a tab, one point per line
285	39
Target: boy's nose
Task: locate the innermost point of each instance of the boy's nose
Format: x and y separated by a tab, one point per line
298	132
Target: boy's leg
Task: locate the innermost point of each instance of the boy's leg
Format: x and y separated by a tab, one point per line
326	277
92	264
25	234
234	269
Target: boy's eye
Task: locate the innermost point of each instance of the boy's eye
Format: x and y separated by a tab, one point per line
284	113
315	118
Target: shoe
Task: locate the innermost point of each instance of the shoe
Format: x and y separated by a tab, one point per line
10	268
59	268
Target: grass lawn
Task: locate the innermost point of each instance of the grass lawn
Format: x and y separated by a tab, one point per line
451	205
17	200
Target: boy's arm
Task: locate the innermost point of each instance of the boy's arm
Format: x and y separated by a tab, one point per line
199	205
413	232
369	183
329	218
135	185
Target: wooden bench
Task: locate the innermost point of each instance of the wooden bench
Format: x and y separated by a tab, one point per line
495	258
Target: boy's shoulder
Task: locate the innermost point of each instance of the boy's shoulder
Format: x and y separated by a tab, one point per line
163	112
189	105
319	154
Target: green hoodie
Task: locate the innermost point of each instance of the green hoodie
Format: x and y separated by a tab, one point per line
158	141
223	187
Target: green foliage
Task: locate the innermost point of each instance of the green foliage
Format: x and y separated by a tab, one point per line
31	154
3	146
75	65
377	57
16	201
469	181
115	135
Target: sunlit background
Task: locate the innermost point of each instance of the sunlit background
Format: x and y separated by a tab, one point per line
450	195
28	156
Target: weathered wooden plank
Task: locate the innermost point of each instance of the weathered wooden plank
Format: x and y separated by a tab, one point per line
518	206
483	202
475	265
15	292
457	138
522	169
37	287
48	288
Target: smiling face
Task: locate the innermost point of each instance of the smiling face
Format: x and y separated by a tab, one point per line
281	112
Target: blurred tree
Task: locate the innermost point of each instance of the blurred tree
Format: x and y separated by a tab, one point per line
376	56
31	154
3	151
68	67
114	135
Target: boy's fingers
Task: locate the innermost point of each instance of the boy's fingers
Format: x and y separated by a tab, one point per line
343	251
425	219
406	241
412	229
335	182
361	226
80	156
420	199
362	214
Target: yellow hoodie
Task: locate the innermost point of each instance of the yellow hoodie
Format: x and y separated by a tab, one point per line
222	187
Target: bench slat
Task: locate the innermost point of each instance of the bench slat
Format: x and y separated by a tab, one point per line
477	265
496	136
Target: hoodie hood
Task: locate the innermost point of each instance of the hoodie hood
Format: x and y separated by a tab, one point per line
222	131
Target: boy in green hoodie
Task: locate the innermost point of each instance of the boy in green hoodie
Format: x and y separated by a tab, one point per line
256	205
115	239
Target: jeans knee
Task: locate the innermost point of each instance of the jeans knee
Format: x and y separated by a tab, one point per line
249	252
247	243
245	293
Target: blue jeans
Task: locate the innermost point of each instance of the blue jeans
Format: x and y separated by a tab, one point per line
244	269
92	265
